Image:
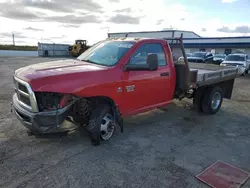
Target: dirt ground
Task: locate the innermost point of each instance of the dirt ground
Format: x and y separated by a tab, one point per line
162	148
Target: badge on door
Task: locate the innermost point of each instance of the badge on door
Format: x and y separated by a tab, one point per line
130	88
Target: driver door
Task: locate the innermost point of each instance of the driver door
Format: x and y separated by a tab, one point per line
145	89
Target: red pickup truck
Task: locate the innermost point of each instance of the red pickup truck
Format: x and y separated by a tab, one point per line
115	78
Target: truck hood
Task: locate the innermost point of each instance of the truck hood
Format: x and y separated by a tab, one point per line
55	68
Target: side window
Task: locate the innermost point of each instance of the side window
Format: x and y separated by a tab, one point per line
140	56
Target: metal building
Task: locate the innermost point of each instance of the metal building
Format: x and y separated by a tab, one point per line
53	50
194	42
225	45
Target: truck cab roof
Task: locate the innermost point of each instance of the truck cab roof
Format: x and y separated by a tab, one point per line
132	39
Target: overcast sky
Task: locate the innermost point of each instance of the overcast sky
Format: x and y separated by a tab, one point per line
64	21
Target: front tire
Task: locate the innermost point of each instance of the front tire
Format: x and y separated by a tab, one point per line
212	100
101	124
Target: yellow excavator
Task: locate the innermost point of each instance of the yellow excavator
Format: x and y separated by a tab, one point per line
78	48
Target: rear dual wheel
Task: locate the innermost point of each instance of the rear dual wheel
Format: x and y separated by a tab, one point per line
209	100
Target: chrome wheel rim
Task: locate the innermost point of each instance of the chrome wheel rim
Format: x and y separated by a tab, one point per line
107	127
216	99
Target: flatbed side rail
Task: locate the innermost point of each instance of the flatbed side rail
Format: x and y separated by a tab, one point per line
216	76
219	74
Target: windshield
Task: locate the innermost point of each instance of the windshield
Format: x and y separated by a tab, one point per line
219	55
106	53
235	58
198	54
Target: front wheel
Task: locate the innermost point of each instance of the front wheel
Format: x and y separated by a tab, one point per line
212	100
107	126
101	124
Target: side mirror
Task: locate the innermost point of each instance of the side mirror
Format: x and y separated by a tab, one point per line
152	61
151	65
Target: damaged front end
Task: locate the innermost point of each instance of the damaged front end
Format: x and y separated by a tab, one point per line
41	112
54	108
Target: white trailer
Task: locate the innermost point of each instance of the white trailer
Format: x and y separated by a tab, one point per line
53	50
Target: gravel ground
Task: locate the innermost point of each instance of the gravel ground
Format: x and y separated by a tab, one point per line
161	148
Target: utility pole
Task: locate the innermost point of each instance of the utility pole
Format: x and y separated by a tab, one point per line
13	36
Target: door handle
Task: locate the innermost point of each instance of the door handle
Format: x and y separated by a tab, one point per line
165	74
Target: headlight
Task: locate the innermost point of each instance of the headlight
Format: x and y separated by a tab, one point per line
222	64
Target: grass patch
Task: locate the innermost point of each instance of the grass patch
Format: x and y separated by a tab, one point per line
21	48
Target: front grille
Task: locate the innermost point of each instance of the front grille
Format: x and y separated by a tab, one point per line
24	99
22	94
22	88
25	95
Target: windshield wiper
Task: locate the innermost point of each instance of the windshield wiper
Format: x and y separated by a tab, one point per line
89	61
93	62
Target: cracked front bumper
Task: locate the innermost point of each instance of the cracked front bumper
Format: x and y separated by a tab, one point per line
40	122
